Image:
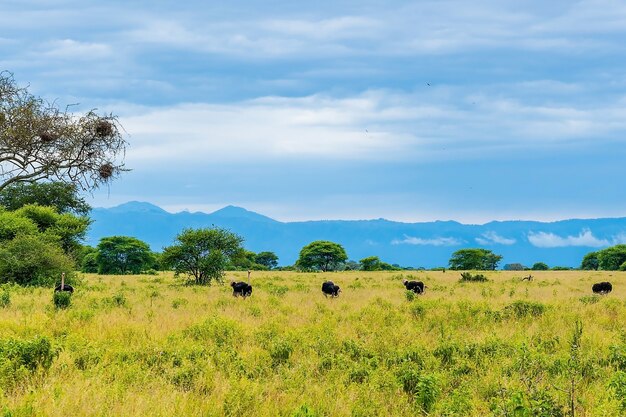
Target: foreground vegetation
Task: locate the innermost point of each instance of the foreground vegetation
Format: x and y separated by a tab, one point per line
150	345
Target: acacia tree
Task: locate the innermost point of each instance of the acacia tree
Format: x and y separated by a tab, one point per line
202	254
321	254
267	259
480	259
123	254
40	141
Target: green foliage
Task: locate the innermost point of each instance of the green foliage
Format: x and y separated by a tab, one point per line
321	254
267	259
12	225
119	255
469	277
410	295
89	263
474	259
5	298
280	352
521	308
618	387
590	262
371	263
61	299
561	268
21	359
63	197
540	266
202	254
32	260
609	259
304	411
422	389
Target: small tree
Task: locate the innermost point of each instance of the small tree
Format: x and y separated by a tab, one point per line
371	263
540	266
267	259
32	260
39	141
590	262
202	254
123	254
610	259
478	259
321	254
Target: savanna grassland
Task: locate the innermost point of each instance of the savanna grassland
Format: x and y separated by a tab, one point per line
152	346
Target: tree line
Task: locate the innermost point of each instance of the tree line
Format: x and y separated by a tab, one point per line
38	242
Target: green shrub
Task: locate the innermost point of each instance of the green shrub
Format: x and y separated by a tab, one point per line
410	295
522	308
618	388
469	277
280	351
62	299
178	302
117	300
422	389
20	359
303	411
5	298
33	260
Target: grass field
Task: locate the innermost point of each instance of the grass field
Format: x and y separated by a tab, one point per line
150	346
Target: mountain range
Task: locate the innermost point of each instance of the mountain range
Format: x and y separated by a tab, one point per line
427	244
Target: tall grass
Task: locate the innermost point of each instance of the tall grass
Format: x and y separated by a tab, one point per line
152	346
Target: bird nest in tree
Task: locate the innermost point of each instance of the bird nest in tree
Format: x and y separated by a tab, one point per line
104	128
47	137
106	171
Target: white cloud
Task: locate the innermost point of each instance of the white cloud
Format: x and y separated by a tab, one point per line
69	48
437	241
492	238
551	240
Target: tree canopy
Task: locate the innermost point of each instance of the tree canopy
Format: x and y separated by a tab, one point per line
267	259
202	254
321	254
39	141
590	262
122	255
609	259
478	259
62	196
540	266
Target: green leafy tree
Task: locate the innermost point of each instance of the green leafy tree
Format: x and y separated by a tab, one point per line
62	196
590	262
202	254
33	260
371	263
122	255
267	259
478	259
39	141
321	254
610	259
12	225
540	266
69	229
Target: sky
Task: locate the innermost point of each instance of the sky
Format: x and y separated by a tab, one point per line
410	111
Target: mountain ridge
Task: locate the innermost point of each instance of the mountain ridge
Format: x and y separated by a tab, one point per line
420	244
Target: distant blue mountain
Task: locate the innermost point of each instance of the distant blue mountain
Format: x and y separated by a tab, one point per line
428	244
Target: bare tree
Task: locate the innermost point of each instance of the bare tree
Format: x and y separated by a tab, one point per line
39	141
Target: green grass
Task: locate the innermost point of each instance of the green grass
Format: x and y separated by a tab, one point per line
152	346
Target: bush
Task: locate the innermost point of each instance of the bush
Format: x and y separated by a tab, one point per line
20	359
410	295
33	260
5	298
62	299
522	308
618	387
468	277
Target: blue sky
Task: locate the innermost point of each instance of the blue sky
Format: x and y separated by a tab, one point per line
411	111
